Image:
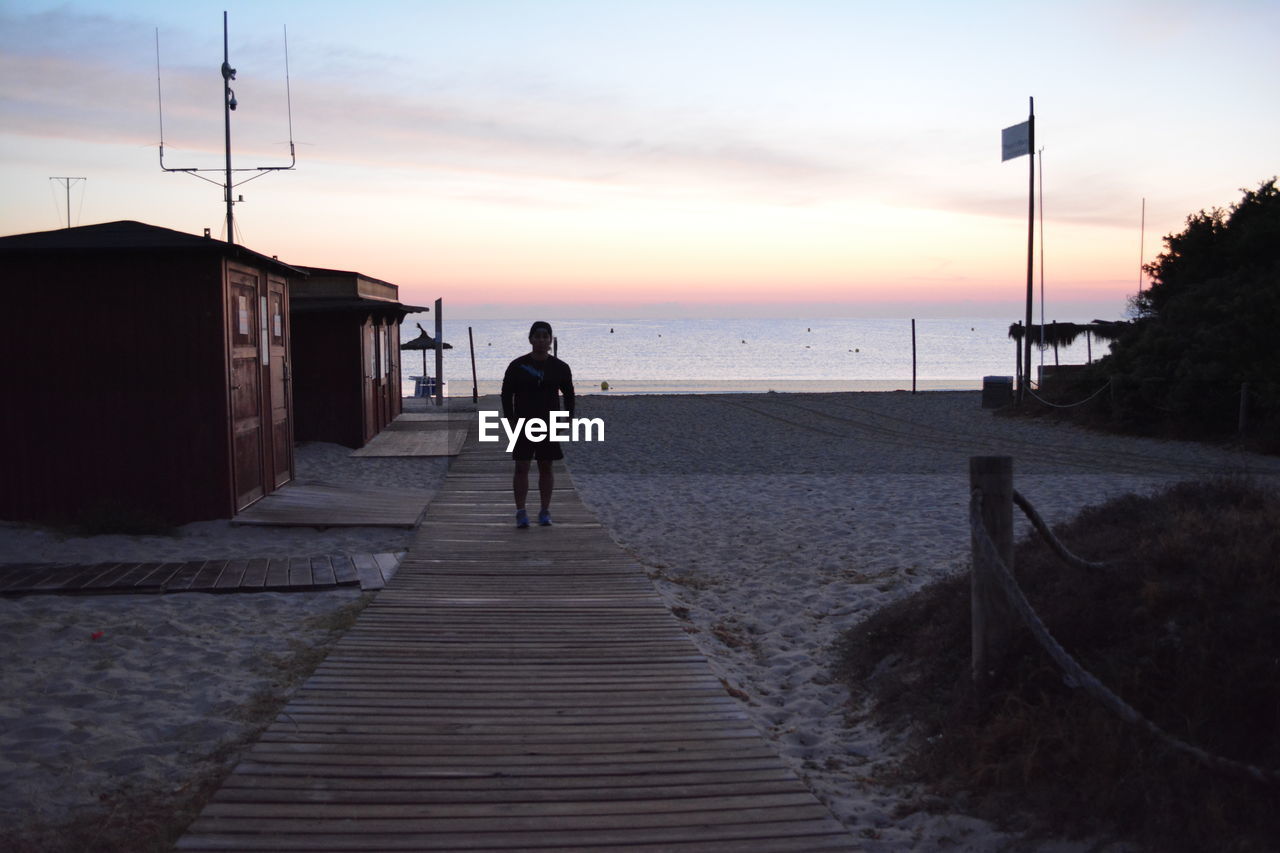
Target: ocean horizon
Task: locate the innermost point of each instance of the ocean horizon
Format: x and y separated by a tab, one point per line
701	356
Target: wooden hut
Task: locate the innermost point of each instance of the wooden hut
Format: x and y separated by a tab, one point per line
144	370
346	355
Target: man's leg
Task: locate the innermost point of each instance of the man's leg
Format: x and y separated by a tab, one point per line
546	482
520	486
520	482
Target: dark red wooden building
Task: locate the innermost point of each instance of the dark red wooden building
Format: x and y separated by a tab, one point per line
141	368
346	355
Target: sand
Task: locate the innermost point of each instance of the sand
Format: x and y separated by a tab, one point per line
770	523
111	695
774	523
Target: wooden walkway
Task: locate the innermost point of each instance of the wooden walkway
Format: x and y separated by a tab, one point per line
322	505
276	574
513	690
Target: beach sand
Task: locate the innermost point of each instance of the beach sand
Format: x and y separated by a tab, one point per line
115	696
773	523
770	523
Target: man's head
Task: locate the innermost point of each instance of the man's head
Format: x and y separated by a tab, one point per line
540	337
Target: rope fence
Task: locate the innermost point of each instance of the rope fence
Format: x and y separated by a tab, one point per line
991	478
1068	405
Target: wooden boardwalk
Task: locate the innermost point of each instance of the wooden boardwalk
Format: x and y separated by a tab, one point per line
322	505
265	574
513	690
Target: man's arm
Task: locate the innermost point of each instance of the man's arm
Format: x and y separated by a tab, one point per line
566	388
509	393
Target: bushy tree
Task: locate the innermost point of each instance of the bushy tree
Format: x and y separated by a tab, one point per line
1209	322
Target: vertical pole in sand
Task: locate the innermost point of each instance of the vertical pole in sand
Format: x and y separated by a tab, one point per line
475	386
992	618
1031	243
1017	357
439	353
913	355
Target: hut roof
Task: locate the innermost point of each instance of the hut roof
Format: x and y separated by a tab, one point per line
330	290
127	235
423	341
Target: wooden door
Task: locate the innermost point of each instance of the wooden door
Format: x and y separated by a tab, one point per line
368	373
278	367
393	369
384	375
246	387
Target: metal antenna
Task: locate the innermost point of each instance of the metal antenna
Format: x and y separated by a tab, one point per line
67	182
229	103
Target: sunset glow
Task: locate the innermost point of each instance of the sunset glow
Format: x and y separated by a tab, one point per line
601	158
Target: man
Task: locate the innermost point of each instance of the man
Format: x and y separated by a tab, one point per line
529	390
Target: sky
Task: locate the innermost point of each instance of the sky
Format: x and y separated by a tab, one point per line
650	158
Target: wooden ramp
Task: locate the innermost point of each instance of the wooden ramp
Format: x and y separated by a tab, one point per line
262	574
316	504
420	434
513	690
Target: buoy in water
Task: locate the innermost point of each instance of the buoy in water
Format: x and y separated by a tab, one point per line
604	386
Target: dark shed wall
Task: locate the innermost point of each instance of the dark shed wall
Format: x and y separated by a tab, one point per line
114	382
327	375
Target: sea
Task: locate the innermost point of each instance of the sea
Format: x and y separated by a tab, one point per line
707	356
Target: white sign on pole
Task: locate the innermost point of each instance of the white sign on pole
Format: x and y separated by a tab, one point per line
1015	141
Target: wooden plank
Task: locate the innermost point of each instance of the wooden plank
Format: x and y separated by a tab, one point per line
155	581
87	578
277	574
322	573
232	575
208	575
300	572
368	571
343	570
387	565
181	579
255	574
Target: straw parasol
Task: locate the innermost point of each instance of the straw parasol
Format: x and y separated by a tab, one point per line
424	342
1065	334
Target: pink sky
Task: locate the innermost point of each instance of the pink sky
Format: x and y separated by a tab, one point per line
659	159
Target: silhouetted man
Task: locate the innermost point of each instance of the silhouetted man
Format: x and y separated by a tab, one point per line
530	389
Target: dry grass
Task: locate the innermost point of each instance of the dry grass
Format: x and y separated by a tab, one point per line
1183	625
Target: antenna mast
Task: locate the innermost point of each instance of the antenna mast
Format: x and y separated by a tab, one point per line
67	182
228	105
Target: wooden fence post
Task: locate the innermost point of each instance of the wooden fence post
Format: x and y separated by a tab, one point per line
992	618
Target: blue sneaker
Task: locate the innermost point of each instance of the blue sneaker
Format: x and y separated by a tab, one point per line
522	519
544	518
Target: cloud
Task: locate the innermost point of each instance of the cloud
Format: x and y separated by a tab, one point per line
77	77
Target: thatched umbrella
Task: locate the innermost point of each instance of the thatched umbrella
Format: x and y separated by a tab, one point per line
423	342
1109	330
1065	334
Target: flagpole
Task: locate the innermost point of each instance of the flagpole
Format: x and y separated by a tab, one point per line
1031	237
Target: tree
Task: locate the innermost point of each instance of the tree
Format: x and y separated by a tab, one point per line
1209	323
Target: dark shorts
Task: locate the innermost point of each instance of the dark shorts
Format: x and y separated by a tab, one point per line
526	450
